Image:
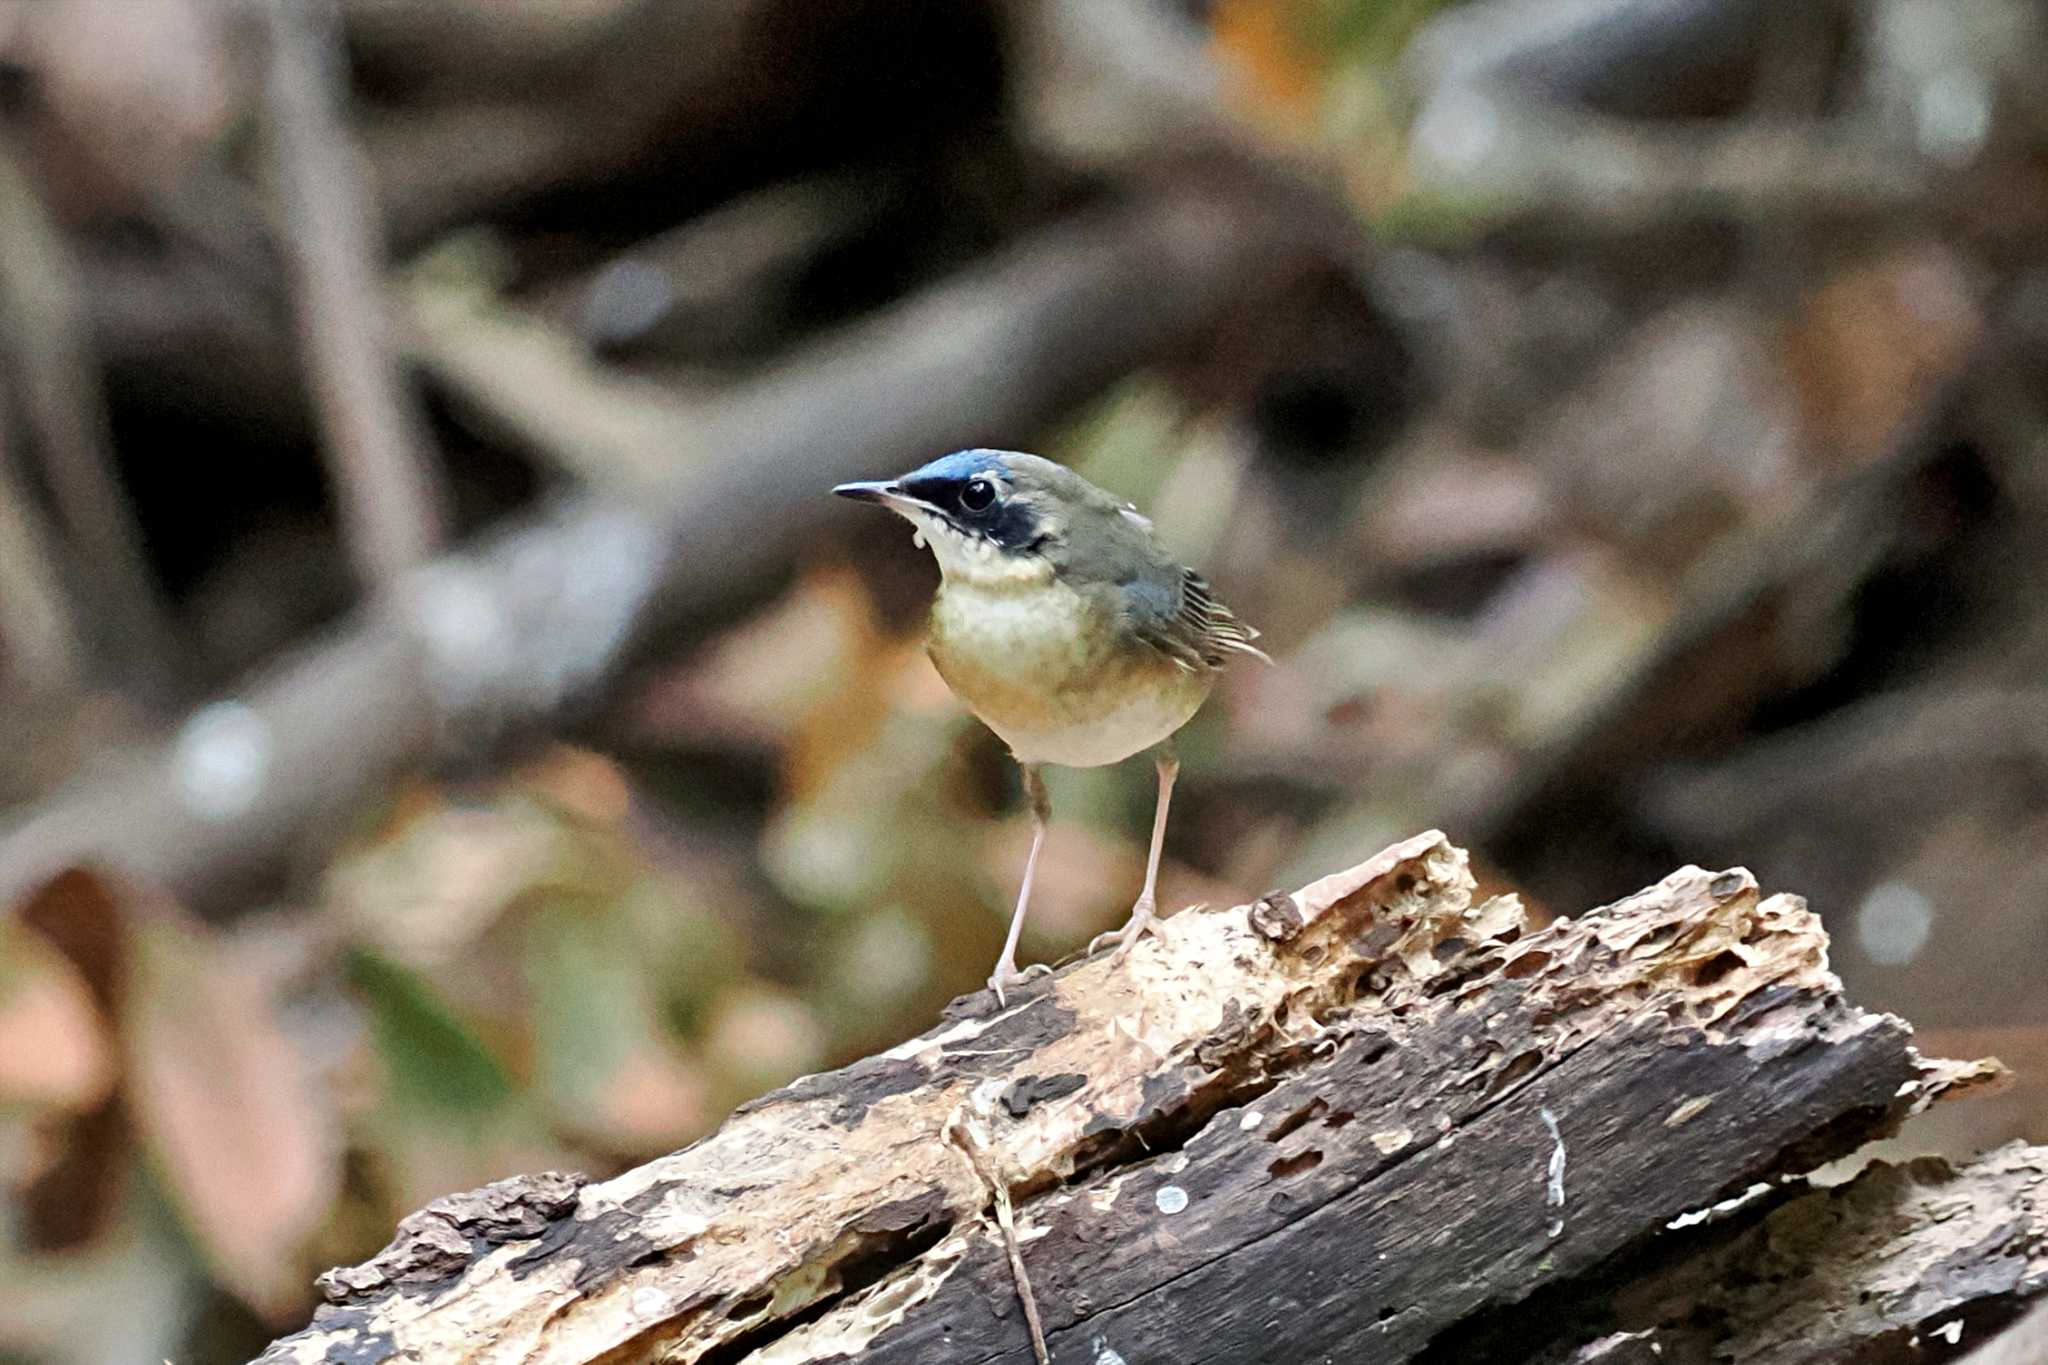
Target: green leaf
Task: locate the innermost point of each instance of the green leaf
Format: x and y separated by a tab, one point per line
437	1064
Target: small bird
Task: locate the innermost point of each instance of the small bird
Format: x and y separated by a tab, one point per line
1063	626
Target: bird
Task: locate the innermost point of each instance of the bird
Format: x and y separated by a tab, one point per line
1066	629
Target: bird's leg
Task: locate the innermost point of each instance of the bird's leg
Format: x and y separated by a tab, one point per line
1141	914
1006	973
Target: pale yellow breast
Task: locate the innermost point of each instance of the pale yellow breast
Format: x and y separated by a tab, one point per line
1035	661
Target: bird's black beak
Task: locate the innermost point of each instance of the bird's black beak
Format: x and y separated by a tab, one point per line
881	490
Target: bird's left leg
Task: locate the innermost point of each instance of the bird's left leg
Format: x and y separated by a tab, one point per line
1168	763
1006	973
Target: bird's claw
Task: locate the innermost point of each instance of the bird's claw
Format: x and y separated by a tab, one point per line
1007	974
1143	921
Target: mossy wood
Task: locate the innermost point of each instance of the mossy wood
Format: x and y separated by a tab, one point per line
1378	1118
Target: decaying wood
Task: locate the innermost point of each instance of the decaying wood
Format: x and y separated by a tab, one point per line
2024	1344
1923	1257
1376	1112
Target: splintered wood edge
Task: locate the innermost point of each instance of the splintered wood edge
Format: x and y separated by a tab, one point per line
749	1225
1700	953
721	1242
1829	1272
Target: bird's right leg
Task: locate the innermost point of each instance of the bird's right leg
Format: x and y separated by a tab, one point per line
1006	973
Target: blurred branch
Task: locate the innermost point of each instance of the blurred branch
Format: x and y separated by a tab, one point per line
541	618
1637	56
388	497
1507	156
1622	114
730	282
1925	750
48	333
539	386
632	80
38	643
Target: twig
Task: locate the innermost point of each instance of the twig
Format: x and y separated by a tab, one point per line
36	635
47	332
644	79
962	1133
1514	124
613	432
389	499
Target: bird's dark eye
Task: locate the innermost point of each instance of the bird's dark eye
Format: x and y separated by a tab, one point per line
978	496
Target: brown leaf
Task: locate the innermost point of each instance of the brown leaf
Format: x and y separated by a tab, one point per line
80	916
762	1036
73	1197
431	890
581	783
755	685
53	1045
141	88
223	1104
653	1102
1875	345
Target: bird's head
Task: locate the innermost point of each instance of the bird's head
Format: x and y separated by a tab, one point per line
988	513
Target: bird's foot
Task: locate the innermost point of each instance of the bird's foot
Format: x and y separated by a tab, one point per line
1143	921
1007	975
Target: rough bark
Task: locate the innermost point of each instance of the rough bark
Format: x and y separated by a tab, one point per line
1907	1262
1376	1114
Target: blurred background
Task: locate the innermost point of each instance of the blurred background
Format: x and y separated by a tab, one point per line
447	729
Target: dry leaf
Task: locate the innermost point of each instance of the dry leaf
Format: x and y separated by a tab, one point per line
53	1045
755	684
143	87
653	1102
1874	345
763	1036
583	784
431	890
221	1098
76	1192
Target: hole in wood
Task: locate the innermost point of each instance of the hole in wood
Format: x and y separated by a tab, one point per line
1284	1167
1716	967
877	1255
1528	964
1518	1066
747	1308
1308	1113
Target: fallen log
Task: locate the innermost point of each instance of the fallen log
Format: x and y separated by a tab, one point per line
1372	1119
1907	1262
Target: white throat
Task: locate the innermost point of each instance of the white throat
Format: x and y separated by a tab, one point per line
969	559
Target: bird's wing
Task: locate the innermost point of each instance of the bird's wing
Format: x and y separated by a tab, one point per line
1184	620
